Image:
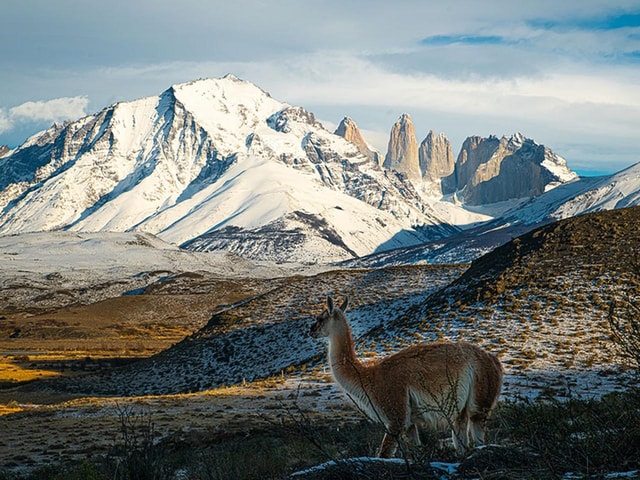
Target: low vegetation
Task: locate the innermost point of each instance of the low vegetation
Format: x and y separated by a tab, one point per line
541	439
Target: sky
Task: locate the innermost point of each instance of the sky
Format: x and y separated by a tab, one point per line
564	73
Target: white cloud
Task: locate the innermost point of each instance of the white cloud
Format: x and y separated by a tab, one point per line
5	122
576	108
336	78
33	115
54	110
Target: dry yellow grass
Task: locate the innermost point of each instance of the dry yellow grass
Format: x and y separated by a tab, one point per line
76	340
14	373
11	407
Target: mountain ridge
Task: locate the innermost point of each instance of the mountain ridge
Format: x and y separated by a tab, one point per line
157	164
213	161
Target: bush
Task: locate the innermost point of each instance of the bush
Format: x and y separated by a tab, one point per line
624	320
584	436
138	456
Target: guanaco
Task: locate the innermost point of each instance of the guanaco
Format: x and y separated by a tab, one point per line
436	385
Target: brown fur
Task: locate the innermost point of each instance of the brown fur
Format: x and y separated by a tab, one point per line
453	385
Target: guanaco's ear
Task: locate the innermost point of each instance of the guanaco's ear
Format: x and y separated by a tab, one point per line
330	304
345	304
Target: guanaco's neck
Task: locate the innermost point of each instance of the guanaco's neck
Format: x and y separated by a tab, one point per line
342	352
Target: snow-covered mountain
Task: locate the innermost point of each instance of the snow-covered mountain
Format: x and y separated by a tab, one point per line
213	155
593	194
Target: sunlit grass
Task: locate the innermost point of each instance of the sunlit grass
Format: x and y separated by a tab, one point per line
15	373
11	407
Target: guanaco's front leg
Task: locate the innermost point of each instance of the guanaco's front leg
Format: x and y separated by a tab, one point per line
388	446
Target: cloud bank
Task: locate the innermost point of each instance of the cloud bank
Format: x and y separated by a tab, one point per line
563	73
55	110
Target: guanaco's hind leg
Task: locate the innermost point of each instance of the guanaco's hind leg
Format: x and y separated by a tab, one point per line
477	427
460	431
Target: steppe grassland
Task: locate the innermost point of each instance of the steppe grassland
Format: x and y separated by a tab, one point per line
74	339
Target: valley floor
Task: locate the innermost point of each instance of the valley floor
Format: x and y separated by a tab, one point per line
553	343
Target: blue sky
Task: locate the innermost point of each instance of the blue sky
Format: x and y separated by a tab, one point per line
566	74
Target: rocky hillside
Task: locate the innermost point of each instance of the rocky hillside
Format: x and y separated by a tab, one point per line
593	246
486	171
490	170
402	152
541	300
348	129
436	157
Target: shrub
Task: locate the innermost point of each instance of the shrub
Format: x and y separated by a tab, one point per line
624	318
584	436
137	456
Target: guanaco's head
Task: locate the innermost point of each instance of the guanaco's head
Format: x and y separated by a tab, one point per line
326	322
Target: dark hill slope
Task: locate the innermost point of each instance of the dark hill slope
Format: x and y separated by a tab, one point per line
595	245
541	300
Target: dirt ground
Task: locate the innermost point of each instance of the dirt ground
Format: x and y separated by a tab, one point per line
51	429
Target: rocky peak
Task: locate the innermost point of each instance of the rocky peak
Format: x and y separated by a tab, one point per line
4	149
402	152
348	129
490	170
281	121
231	77
475	151
436	157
